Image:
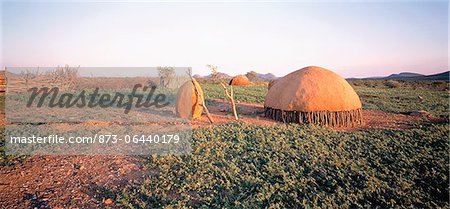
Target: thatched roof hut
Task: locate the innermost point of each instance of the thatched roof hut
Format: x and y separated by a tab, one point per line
189	103
313	95
239	80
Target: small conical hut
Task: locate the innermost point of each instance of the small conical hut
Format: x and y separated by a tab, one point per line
239	80
189	100
313	95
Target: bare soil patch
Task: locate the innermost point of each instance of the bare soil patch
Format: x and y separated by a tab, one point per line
254	114
66	181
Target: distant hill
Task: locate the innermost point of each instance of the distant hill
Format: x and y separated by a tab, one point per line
439	76
399	76
404	75
267	76
220	75
410	76
9	74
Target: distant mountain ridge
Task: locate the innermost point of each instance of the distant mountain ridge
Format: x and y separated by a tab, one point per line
404	75
411	76
439	76
267	76
219	75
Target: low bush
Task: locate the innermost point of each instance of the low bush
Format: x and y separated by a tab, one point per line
290	166
392	84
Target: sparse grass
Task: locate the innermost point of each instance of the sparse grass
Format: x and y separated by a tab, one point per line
249	166
404	100
432	85
5	160
251	94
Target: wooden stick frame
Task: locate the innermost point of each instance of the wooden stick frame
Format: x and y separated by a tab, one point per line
230	96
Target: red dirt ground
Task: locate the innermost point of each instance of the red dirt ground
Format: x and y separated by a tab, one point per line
254	114
76	181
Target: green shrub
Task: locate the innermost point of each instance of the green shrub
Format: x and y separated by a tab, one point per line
404	100
289	166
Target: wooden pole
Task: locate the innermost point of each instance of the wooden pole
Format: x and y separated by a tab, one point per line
230	96
202	100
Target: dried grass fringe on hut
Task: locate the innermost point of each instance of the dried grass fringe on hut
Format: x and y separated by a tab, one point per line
336	119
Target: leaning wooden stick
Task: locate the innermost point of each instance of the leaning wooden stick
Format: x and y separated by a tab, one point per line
202	100
231	97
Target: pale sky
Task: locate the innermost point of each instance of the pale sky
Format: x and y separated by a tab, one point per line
354	39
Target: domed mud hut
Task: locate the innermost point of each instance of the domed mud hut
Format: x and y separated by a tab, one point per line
239	80
271	82
189	100
313	95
